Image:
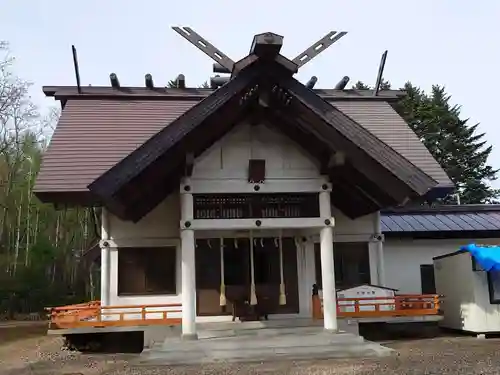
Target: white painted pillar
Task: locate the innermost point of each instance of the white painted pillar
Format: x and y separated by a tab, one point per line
188	276
105	259
379	246
327	265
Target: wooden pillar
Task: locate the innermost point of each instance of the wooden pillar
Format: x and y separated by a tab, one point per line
327	265
188	270
105	259
378	240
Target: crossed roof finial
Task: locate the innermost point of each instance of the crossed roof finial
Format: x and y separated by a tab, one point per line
271	40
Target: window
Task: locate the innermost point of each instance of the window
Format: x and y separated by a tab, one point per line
351	261
147	271
494	286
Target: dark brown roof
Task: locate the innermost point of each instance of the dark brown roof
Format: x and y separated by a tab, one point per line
94	134
383	121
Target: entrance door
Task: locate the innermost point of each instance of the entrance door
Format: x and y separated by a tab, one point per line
268	274
427	280
237	274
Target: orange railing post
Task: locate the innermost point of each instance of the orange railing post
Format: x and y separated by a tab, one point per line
316	308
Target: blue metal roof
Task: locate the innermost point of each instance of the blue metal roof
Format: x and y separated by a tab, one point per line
442	219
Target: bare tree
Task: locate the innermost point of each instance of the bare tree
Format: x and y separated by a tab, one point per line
19	127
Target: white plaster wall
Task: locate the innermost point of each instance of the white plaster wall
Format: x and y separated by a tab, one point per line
402	259
228	158
161	222
347	230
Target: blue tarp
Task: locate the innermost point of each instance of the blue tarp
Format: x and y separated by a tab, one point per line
488	257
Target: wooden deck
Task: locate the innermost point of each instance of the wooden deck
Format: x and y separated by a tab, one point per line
93	315
379	307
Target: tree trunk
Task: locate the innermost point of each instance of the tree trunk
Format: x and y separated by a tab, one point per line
18	235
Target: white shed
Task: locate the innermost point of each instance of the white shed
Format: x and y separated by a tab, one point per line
471	296
366	291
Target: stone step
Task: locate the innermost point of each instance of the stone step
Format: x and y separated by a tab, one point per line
265	352
265	328
220	333
272	323
155	335
243	343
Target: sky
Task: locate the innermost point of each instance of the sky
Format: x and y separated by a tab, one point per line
448	42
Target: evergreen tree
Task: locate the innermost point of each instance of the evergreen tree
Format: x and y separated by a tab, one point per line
360	86
454	143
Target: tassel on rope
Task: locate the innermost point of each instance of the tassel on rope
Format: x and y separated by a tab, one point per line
223	301
253	295
282	299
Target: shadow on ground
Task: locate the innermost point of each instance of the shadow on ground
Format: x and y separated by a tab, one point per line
384	332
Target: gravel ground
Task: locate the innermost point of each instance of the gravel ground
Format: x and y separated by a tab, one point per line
443	355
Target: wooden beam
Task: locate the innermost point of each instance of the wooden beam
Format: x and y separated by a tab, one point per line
266	45
189	164
232	186
204	46
318	47
248	224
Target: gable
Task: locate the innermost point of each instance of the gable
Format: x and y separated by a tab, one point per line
228	158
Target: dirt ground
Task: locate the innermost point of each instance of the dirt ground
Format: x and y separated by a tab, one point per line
42	355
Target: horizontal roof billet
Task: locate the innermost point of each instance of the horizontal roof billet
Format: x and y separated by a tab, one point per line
66	92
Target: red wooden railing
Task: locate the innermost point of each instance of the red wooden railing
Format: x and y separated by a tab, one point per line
92	314
400	305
